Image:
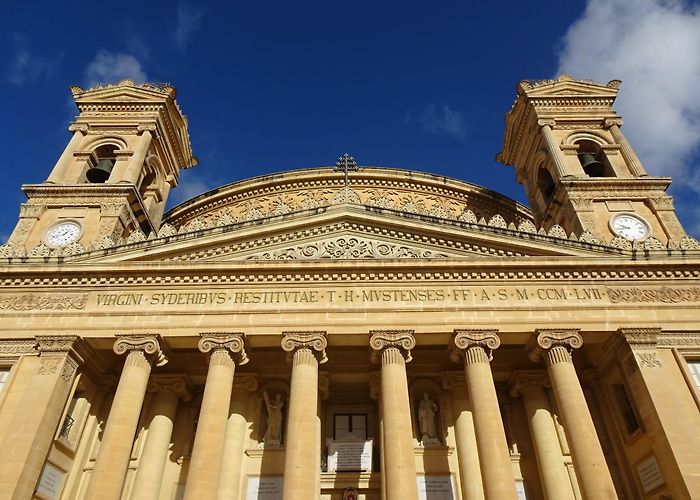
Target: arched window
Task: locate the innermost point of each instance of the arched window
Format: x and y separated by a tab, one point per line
593	160
106	158
545	184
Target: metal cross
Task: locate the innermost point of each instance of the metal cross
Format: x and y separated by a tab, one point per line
346	163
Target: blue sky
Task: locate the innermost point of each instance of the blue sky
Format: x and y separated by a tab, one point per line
420	85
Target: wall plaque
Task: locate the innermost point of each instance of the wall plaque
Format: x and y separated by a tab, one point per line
350	455
649	474
50	482
435	487
264	488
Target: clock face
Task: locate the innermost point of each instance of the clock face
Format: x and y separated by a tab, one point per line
63	234
630	227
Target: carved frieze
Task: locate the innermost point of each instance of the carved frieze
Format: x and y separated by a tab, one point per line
29	302
665	295
17	347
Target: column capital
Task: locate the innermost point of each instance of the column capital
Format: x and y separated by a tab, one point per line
546	338
610	121
311	340
453	380
150	343
487	339
142	127
522	380
234	342
180	385
551	122
75	126
403	340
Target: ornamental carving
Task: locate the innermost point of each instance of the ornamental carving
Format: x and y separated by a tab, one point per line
348	247
645	338
664	295
545	339
30	302
648	359
148	343
178	384
233	342
17	347
488	340
403	340
49	365
56	343
312	340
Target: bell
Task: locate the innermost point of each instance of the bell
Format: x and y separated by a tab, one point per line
590	165
100	173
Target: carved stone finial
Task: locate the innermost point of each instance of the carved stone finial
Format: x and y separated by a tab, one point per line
345	164
149	343
463	340
315	341
522	379
403	340
215	341
178	384
544	339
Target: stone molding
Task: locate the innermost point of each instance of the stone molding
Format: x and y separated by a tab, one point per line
545	338
151	345
14	348
463	340
314	341
402	340
234	342
521	380
178	384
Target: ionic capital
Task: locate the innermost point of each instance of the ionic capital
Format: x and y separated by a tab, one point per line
151	127
545	339
609	122
180	385
550	122
82	127
233	342
487	340
454	380
314	341
522	380
148	343
402	340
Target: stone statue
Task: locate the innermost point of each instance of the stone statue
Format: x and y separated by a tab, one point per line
273	433
427	409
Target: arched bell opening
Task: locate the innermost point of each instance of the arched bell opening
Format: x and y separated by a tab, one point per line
593	160
106	158
545	184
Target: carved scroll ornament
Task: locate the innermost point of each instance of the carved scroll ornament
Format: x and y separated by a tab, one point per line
488	340
403	340
234	342
545	339
312	340
148	343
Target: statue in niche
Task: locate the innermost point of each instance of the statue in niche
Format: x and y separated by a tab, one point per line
273	432
427	410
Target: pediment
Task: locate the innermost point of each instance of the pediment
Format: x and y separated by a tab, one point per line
563	87
348	232
124	91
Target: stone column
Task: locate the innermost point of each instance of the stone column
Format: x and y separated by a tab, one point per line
636	167
59	170
307	350
554	346
555	479
474	348
167	390
33	403
112	461
553	148
375	393
235	439
128	172
465	436
208	448
393	349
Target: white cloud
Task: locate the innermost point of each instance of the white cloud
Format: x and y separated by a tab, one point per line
110	67
192	183
188	20
27	67
444	121
653	46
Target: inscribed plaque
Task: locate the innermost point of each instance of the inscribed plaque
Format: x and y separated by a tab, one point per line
50	482
264	488
435	487
351	455
649	474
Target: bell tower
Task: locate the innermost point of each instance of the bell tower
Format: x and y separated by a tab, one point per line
128	145
564	140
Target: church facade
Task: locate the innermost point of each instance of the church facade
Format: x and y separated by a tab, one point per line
350	332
